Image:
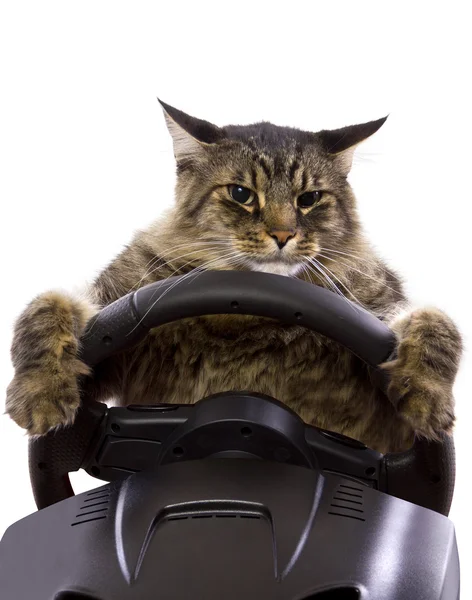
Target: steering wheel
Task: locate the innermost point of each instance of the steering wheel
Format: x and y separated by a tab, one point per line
133	436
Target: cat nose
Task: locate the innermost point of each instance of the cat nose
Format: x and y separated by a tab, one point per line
282	236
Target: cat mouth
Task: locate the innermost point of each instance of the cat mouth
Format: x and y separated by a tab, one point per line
276	267
279	263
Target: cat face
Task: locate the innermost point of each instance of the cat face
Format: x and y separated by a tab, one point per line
272	197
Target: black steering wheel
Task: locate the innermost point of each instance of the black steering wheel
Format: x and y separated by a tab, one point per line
423	475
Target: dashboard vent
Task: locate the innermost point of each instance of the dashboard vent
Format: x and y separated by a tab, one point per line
348	502
94	507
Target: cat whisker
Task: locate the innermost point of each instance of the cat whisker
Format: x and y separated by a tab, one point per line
203	267
151	270
159	256
353	255
356	257
188	246
321	268
147	275
175	271
342	283
198	267
171	261
320	277
235	261
349	266
307	272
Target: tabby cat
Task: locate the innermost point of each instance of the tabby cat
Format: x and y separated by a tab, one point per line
262	198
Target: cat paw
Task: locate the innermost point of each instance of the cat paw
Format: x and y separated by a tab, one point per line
426	404
422	375
44	393
41	400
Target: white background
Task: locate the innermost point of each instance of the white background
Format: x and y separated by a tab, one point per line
85	158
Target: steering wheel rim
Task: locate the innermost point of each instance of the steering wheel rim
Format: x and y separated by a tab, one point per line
127	321
292	301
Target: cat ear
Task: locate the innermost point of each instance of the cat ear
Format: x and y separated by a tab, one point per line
189	134
342	143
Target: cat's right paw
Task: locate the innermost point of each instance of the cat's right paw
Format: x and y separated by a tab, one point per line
44	393
39	400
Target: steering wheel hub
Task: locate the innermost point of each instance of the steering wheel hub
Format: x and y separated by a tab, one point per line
242	425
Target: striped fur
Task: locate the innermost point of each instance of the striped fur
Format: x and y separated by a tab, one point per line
188	360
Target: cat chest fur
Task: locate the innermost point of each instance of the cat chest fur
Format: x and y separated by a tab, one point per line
188	360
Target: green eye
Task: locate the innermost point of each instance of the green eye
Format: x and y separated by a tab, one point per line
241	194
309	199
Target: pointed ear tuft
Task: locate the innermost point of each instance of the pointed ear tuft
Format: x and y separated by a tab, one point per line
341	143
189	134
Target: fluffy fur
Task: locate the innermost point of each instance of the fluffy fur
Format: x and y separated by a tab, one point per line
207	229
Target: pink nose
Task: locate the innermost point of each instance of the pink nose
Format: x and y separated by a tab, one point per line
281	237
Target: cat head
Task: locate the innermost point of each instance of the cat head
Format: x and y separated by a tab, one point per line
268	198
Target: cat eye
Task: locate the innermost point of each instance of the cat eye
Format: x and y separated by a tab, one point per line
309	199
241	194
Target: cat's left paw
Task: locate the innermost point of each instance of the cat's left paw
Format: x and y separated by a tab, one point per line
426	403
422	375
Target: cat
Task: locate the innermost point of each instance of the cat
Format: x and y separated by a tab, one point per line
264	198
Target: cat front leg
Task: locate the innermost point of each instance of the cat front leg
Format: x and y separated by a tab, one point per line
44	392
423	372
